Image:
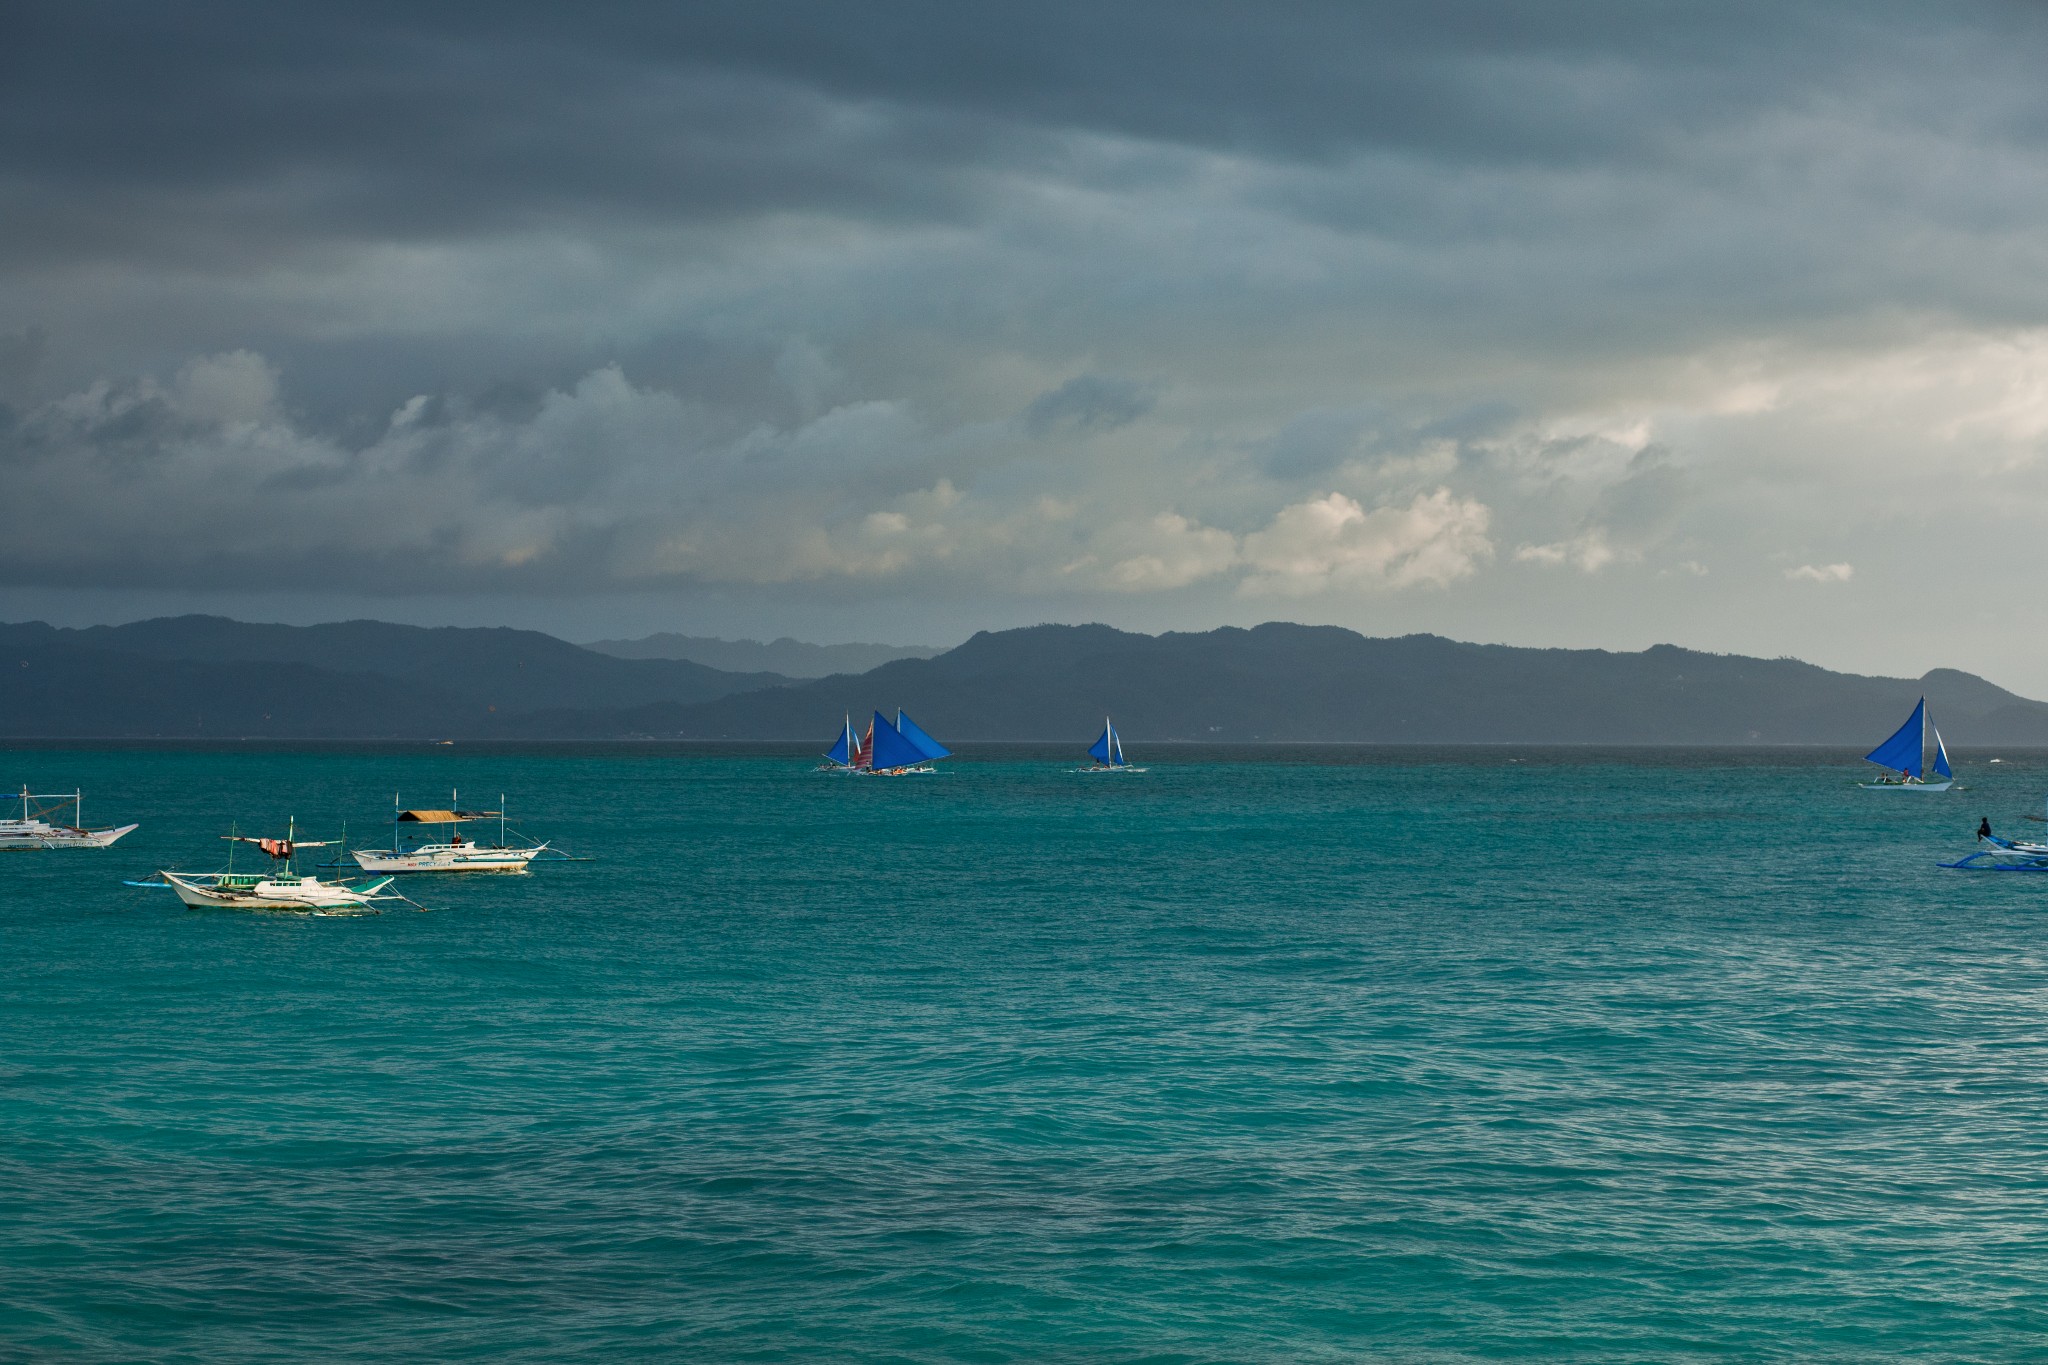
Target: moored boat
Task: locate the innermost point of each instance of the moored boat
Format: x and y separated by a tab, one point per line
432	841
281	887
33	831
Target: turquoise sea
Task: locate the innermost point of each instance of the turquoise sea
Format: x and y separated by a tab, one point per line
1281	1055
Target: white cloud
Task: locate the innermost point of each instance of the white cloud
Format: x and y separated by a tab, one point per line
1332	541
1168	551
1822	573
1589	552
236	386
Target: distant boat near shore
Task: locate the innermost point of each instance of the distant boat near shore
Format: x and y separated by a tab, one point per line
32	831
1108	753
888	749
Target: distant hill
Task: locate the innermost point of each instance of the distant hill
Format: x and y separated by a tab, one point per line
1319	683
791	658
207	675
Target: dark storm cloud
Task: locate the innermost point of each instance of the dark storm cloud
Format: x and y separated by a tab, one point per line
538	297
426	119
1089	401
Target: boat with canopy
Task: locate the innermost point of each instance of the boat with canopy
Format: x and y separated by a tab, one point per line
1108	753
433	841
888	749
280	887
34	830
1905	753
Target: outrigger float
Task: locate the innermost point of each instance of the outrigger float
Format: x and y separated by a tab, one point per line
2005	855
283	887
33	831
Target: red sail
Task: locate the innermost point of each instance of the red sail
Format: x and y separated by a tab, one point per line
865	754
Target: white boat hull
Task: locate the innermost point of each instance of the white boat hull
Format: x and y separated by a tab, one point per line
1941	786
22	835
444	859
302	895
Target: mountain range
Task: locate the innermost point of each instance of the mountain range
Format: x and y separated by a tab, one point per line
208	676
201	676
792	658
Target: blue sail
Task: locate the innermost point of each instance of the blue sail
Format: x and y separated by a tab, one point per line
1101	750
841	750
923	742
1902	750
1116	742
892	750
1941	757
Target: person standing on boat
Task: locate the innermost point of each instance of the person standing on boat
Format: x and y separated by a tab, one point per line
1984	828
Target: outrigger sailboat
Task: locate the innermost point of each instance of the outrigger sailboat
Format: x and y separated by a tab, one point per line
886	750
1108	753
281	888
1906	754
32	831
432	841
847	754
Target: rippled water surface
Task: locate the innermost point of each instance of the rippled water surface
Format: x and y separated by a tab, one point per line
1297	1055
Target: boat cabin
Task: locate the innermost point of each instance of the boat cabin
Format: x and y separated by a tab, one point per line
415	829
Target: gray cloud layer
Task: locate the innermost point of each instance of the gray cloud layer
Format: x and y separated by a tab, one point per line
1592	323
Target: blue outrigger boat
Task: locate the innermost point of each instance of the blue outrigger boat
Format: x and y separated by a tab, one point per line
1108	753
1906	754
886	750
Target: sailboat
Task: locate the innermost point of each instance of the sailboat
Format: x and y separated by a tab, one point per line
849	754
902	748
280	888
1906	754
33	831
888	749
1108	753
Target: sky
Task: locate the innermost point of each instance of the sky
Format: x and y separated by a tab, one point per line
1586	324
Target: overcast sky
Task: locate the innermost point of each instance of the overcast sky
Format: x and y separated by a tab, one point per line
1582	324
